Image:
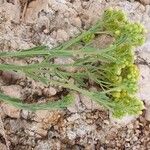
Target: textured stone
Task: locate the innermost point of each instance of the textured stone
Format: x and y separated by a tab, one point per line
46	116
144	83
147	113
146	2
12	90
3	146
37	128
62	35
10	110
49	91
25	114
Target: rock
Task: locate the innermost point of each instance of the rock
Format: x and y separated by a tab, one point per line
62	35
36	128
3	147
130	126
90	104
123	121
144	84
13	11
16	125
76	22
81	103
77	105
1	2
144	51
142	8
102	41
147	113
2	114
48	92
43	145
73	117
47	117
10	110
25	114
10	77
63	61
12	90
145	2
34	9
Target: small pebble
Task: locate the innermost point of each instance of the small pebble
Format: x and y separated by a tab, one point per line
48	92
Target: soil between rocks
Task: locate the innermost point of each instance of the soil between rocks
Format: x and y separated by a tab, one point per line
84	126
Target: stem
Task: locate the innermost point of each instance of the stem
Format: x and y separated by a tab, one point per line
66	45
35	106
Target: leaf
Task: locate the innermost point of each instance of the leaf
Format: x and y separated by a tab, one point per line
60	104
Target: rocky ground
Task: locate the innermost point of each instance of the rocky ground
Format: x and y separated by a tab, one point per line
84	126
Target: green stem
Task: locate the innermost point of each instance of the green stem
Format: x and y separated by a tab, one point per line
67	100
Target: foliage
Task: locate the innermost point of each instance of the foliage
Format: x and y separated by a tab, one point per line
111	69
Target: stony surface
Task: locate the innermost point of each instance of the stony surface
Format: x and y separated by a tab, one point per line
147	114
84	125
10	111
146	2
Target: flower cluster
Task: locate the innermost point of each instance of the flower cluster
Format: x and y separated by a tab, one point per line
124	73
116	22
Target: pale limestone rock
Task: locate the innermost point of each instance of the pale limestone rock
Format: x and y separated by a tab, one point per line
147	114
43	145
62	61
34	8
82	102
76	106
10	110
13	11
146	2
62	35
12	90
76	22
123	121
73	117
91	104
25	114
37	128
144	51
1	2
47	117
2	114
3	147
49	91
144	83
